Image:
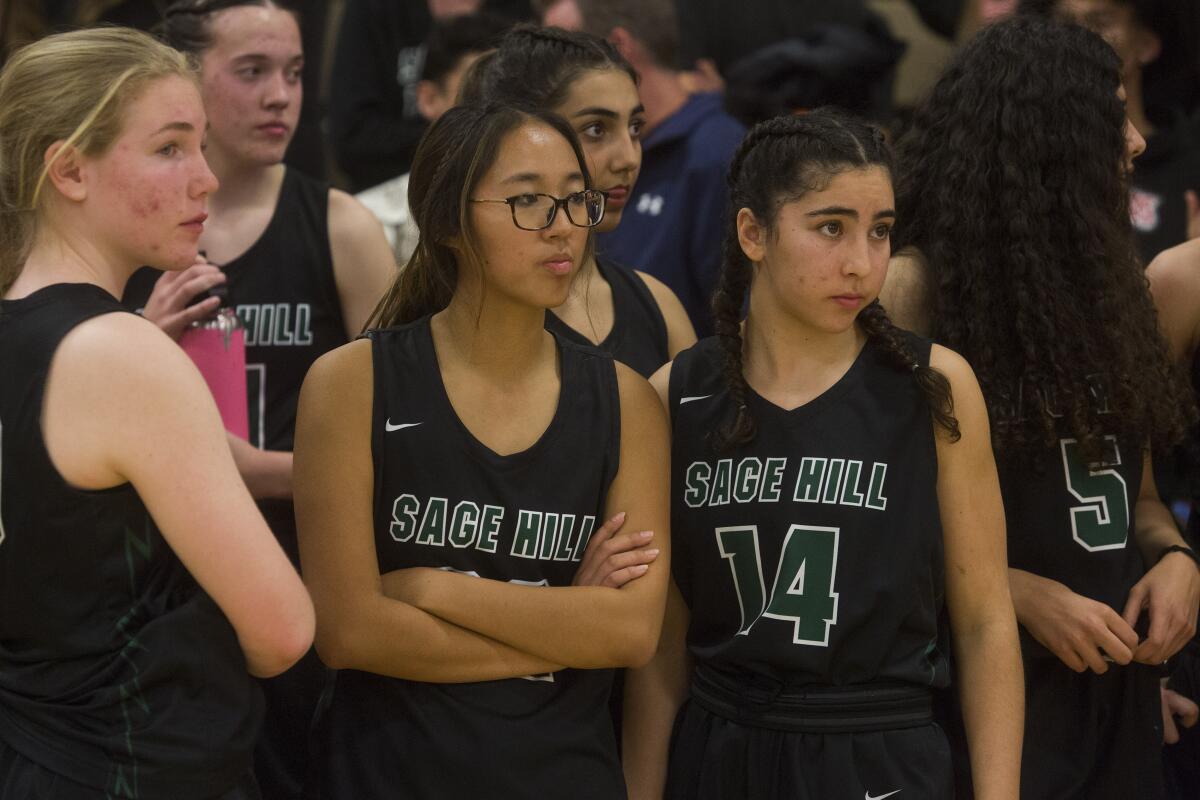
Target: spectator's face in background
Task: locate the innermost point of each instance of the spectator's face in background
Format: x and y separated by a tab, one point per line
1117	22
563	14
441	9
604	109
147	193
435	98
1135	145
251	83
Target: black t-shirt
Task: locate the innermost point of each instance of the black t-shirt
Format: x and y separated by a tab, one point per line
443	499
284	292
812	555
116	670
638	338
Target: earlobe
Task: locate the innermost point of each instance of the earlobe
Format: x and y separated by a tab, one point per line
65	172
751	235
427	92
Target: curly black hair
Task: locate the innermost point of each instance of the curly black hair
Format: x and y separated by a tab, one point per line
1011	184
780	161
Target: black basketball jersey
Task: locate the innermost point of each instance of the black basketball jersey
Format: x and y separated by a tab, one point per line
812	555
1072	521
443	499
116	669
638	338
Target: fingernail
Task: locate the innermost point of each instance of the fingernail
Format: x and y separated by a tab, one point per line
656	551
641	568
645	534
620	517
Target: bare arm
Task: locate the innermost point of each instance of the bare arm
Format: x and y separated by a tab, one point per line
363	264
124	403
1170	590
906	293
981	611
359	627
680	333
579	626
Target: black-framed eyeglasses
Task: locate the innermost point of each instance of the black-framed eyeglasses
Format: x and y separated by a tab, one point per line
535	211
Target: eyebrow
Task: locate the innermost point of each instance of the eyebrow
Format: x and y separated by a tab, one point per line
842	211
607	113
264	57
176	126
530	177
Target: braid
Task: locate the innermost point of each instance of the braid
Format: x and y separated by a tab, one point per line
933	384
727	304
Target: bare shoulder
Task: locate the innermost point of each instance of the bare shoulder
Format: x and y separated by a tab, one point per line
348	215
124	352
342	372
952	365
905	293
637	395
1176	270
661	383
680	333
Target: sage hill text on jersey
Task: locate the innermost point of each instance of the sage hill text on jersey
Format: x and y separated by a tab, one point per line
278	324
833	481
533	535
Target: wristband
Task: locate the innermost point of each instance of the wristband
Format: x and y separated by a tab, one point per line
1180	548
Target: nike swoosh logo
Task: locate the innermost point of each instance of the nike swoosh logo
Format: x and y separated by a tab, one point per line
869	796
389	427
683	400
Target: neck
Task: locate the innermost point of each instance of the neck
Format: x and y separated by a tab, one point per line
784	356
498	338
65	255
1135	103
242	184
662	93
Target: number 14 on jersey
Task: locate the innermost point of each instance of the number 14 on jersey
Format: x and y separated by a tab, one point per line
802	587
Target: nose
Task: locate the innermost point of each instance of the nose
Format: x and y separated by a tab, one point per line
560	226
628	156
204	182
1135	144
858	256
279	89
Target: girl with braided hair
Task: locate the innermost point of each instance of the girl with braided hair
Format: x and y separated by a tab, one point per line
833	490
584	79
1028	268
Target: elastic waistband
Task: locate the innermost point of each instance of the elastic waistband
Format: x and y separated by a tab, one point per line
870	707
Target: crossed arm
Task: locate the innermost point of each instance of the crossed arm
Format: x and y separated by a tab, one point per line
425	624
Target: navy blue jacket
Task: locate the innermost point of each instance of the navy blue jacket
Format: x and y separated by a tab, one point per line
674	221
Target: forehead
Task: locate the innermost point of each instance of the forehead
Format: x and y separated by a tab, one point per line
259	30
607	88
533	149
1078	10
866	189
163	101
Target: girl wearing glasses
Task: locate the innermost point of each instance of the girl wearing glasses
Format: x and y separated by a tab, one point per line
464	585
627	313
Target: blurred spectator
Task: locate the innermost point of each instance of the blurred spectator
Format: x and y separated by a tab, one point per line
374	119
1159	44
852	68
672	228
453	45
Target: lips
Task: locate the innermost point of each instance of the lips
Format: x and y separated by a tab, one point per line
848	300
274	129
196	223
559	265
617	196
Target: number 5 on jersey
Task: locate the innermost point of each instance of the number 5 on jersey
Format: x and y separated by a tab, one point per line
802	590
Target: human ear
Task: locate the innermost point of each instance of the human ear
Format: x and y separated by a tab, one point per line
1147	46
752	235
429	102
64	170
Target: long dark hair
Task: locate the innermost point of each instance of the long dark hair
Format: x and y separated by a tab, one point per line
535	67
453	156
1011	184
780	161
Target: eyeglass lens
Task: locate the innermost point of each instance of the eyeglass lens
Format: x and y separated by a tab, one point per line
537	211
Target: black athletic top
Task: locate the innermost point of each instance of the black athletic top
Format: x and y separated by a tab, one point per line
1073	522
638	338
813	555
116	669
283	290
443	499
